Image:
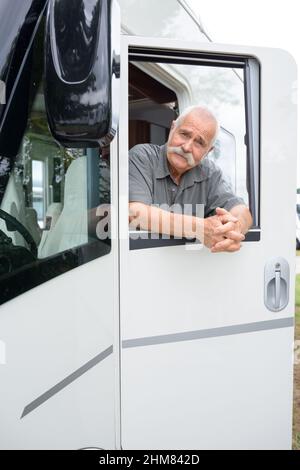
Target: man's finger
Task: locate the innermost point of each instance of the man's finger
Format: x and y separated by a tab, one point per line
220	210
226	246
232	247
227	218
223	245
227	227
223	213
234	235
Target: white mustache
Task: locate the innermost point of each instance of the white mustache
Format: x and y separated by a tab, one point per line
187	155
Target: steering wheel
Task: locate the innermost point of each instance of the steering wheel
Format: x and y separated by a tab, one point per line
13	224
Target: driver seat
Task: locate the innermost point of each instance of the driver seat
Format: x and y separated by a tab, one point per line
71	228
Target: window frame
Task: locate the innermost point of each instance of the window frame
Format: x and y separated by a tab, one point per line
252	92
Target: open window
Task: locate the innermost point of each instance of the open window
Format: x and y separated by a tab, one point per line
163	82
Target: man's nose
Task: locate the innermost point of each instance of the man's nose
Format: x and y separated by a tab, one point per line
187	146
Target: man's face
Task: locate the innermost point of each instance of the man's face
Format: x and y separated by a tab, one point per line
192	137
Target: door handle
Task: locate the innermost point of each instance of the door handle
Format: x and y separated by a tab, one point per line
277	287
277	277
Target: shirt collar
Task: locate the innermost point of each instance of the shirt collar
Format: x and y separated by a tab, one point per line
162	169
197	174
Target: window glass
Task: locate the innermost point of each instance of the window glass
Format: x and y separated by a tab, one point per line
159	90
49	199
221	89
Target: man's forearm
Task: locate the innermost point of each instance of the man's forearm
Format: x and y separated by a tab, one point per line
157	220
244	217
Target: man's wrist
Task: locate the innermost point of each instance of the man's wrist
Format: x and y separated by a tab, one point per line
243	226
193	227
244	218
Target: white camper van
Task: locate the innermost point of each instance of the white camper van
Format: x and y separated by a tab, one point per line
125	340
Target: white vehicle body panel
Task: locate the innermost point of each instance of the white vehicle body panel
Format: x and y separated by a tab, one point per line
185	314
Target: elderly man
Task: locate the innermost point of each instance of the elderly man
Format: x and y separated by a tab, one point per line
178	174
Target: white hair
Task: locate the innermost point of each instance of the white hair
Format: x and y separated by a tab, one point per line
200	110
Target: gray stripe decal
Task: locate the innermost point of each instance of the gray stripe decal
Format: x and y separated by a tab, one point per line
211	333
67	381
151	340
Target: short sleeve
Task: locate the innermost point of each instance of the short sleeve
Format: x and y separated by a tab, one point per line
140	176
220	194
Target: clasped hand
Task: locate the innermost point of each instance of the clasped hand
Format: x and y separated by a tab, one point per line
223	232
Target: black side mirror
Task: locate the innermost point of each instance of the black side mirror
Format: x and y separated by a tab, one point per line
82	65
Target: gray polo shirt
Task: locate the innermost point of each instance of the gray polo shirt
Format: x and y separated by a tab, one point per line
150	182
